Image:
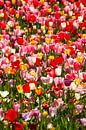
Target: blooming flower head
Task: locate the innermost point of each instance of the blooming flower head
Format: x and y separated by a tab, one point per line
11	115
18	126
83	121
19	88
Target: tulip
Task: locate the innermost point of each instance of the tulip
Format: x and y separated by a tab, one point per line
13	2
83	121
11	115
18	126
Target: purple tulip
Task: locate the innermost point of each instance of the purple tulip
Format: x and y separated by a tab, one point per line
67	82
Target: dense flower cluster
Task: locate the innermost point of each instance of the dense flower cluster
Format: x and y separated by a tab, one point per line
42	64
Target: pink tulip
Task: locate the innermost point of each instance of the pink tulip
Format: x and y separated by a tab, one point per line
83	121
79	108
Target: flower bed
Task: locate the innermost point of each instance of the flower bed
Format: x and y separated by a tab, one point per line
42	64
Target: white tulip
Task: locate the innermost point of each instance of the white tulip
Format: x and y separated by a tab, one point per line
28	95
58	71
77	96
4	93
73	86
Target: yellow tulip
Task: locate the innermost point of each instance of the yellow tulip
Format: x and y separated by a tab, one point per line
51	57
1	37
73	17
65	15
18	27
17	15
33	42
79	59
19	88
23	66
13	1
83	35
42	0
48	40
40	55
49	10
62	12
33	73
67	51
8	70
45	113
24	123
50	31
83	84
77	81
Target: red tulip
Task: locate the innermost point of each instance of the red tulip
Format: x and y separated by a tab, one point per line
58	87
70	76
52	73
1	2
77	66
2	24
32	18
5	15
83	24
35	3
59	60
45	106
77	3
38	62
67	36
72	51
11	115
72	1
43	12
52	1
16	64
8	3
47	22
26	1
83	2
56	7
18	126
77	14
84	76
69	26
20	40
85	17
53	63
26	88
12	11
57	15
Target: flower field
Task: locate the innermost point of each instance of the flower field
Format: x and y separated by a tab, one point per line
42	64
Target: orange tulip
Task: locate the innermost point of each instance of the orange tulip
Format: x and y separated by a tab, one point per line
39	91
13	71
10	70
